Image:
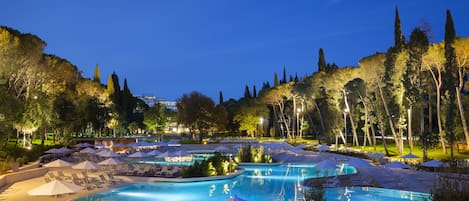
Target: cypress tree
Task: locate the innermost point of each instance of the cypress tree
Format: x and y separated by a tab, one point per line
284	78
254	91
296	78
247	93
97	74
127	103
449	78
114	90
399	39
110	86
321	61
276	79
291	78
221	97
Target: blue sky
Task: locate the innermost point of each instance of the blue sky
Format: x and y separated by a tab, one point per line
168	48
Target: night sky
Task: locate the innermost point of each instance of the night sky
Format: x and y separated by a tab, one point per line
168	48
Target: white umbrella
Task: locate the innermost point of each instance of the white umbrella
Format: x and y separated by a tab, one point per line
397	165
110	161
86	165
434	164
58	163
55	187
109	154
235	198
323	148
154	153
410	156
88	150
358	162
327	164
138	155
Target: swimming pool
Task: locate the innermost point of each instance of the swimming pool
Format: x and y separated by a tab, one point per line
257	183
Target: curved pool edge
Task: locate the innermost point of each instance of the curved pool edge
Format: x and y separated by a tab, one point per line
260	164
133	179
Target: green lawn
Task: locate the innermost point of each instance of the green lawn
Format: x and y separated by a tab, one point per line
436	153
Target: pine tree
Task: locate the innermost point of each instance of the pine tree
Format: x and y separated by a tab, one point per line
399	39
97	74
321	61
221	98
247	93
275	80
254	92
450	76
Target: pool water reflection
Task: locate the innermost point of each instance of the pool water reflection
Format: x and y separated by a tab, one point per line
257	183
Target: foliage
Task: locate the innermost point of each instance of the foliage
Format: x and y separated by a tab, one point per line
449	189
253	154
198	112
249	115
156	117
216	165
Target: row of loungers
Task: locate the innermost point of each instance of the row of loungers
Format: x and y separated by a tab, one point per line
152	171
88	182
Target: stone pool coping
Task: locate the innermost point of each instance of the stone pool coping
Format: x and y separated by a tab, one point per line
261	164
134	179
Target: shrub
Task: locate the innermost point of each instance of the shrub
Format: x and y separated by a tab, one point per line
217	165
447	189
252	154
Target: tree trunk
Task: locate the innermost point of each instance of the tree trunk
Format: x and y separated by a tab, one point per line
354	131
438	116
388	115
463	117
409	128
373	134
323	130
43	137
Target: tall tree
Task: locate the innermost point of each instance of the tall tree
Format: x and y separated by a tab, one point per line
418	45
321	61
284	77
399	39
276	79
254	92
450	76
97	74
461	47
220	98
247	93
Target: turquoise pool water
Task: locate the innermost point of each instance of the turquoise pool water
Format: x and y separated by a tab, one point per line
257	183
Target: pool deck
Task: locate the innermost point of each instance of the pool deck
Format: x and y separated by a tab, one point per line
378	176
